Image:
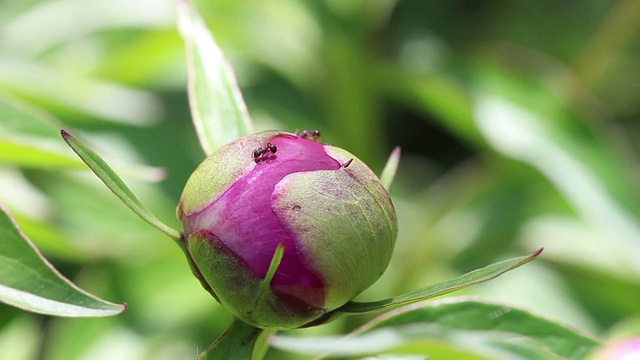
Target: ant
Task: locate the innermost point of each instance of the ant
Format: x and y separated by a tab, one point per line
314	134
263	151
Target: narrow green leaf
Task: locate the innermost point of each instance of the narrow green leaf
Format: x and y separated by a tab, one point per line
219	113
389	171
237	343
273	267
28	281
469	324
116	185
474	277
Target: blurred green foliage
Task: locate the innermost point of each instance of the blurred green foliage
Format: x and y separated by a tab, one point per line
518	123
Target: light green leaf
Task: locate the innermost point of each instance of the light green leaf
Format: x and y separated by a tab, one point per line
116	185
29	138
219	113
389	171
540	141
474	277
464	324
273	267
69	91
237	343
29	282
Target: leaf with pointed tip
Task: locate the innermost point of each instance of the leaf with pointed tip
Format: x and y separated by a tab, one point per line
471	278
237	343
116	185
389	171
219	113
29	282
445	328
273	267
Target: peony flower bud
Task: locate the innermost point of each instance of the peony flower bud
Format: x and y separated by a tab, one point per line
329	210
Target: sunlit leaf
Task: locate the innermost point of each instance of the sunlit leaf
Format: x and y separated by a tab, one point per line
474	277
219	113
76	93
28	138
35	153
29	282
465	324
116	185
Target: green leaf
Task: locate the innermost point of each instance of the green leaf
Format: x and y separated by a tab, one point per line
29	282
116	185
29	138
273	267
70	91
389	171
474	277
495	320
457	324
237	343
219	113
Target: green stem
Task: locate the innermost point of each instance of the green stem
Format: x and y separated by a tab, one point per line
237	343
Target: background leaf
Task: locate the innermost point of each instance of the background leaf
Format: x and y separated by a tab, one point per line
494	329
390	169
219	113
371	75
29	282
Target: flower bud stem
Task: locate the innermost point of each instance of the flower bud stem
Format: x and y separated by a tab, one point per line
237	343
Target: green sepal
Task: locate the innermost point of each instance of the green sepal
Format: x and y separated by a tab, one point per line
273	267
363	222
240	290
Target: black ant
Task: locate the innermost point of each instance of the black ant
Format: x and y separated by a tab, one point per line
263	151
314	134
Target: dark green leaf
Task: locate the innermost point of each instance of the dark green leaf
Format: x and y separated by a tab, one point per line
29	282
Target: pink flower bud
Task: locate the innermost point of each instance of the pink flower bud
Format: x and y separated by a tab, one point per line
334	218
